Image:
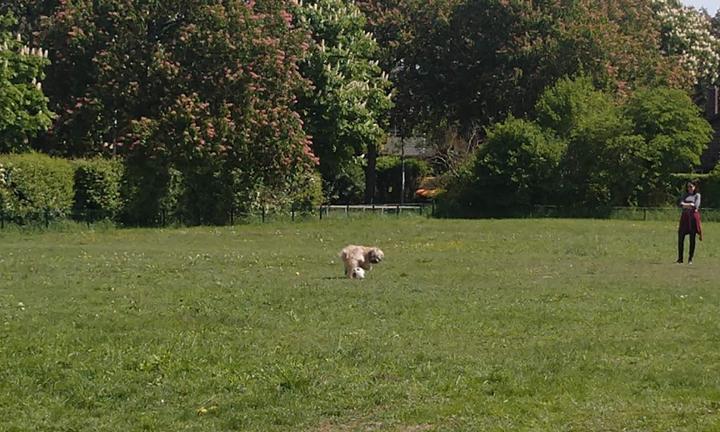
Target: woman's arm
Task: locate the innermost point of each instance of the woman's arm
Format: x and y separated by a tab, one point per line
697	201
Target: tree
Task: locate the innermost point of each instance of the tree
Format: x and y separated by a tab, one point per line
622	152
675	135
588	120
689	34
585	149
195	92
345	112
520	160
23	107
477	61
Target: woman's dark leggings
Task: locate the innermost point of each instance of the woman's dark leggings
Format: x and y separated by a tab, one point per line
681	246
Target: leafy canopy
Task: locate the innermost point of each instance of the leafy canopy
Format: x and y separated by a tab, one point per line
345	111
24	109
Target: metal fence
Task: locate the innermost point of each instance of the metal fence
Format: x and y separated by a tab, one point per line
349	210
625	213
90	217
335	211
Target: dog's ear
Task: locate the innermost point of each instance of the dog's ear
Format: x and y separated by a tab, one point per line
375	255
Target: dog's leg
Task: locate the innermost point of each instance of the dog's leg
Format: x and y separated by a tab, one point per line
349	267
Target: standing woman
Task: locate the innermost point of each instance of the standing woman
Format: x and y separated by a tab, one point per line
689	220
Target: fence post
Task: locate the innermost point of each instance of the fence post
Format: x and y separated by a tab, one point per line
47	219
321	208
292	213
644	213
347	210
263	214
398	210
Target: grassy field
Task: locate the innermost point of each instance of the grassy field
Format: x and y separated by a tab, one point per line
488	325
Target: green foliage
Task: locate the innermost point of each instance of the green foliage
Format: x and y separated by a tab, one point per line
97	189
670	116
470	63
389	181
707	184
607	153
35	187
206	90
346	110
675	135
462	196
300	193
518	165
688	33
572	106
709	187
306	193
590	122
24	109
622	153
149	190
180	156
348	185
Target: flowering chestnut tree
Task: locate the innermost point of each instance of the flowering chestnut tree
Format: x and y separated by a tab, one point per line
688	33
202	89
23	107
345	111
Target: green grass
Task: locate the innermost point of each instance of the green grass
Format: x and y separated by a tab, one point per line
489	325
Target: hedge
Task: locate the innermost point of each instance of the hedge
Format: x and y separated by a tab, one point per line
35	187
708	185
97	189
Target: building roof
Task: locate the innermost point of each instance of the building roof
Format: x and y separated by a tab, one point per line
414	146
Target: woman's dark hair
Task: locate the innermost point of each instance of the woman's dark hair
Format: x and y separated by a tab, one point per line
694	184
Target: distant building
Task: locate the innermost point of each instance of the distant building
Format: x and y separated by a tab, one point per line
414	147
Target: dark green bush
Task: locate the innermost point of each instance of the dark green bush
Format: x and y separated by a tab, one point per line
35	187
347	185
309	193
389	178
150	192
155	192
97	189
708	186
462	197
585	150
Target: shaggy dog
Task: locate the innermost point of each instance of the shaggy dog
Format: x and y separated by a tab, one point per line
360	256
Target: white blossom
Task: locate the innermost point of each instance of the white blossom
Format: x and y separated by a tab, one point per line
686	32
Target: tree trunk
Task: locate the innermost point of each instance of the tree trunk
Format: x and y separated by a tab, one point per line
371	174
